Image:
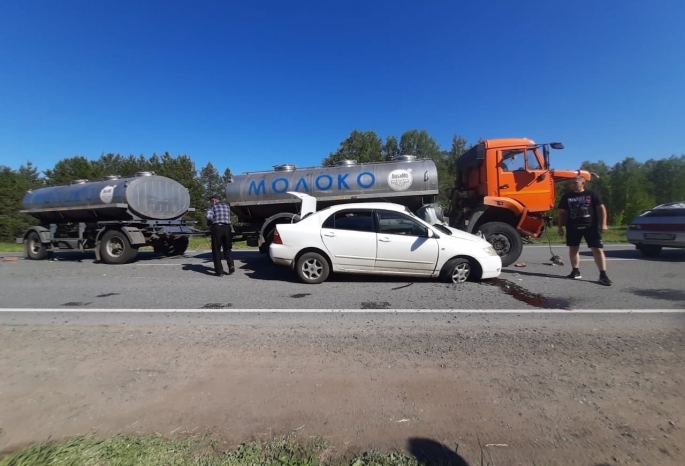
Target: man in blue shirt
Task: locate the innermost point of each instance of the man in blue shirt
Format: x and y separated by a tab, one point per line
219	221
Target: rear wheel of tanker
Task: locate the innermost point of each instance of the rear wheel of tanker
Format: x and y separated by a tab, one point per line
177	247
505	240
115	248
36	250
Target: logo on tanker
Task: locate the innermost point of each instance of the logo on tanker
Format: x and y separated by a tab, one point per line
400	180
107	194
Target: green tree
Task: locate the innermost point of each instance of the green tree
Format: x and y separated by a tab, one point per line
362	146
74	168
390	148
630	190
667	177
13	186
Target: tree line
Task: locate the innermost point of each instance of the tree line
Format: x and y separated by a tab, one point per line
627	187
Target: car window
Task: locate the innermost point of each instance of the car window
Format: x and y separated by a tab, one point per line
395	223
356	220
533	162
513	160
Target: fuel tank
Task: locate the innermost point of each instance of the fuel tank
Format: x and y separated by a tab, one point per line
141	197
255	196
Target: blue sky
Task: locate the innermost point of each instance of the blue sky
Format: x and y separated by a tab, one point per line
251	84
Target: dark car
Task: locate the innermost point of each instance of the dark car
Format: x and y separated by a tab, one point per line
657	228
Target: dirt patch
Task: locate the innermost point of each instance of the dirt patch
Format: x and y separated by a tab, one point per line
519	396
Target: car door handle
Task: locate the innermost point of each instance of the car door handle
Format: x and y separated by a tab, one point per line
330	233
504	186
384	240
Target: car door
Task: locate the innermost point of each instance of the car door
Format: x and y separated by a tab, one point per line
521	176
350	237
404	245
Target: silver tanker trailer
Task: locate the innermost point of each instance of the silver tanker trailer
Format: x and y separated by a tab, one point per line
114	216
260	200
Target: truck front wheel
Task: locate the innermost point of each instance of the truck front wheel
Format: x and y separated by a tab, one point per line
115	248
35	249
505	240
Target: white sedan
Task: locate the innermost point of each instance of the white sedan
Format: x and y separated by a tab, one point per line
379	238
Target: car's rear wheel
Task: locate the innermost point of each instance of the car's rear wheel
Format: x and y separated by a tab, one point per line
312	268
650	250
456	270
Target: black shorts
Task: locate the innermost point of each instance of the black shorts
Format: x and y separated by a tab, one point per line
592	236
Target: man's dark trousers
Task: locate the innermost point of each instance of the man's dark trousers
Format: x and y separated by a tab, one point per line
222	237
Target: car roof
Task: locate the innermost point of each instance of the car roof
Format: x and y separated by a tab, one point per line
366	205
672	205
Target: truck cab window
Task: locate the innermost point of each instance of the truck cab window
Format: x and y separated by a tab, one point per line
513	160
533	162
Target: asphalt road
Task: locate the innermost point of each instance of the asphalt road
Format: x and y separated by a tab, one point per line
75	282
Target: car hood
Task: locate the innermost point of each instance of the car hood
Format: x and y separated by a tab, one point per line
461	235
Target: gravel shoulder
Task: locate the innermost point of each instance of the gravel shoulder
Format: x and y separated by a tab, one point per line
554	391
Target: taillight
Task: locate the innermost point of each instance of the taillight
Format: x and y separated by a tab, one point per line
277	237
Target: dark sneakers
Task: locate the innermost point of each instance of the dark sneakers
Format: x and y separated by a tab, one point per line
604	280
574	275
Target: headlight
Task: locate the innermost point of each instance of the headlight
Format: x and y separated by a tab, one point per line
490	250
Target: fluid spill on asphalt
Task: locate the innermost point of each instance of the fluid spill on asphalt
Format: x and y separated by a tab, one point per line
104	295
75	303
375	305
299	295
526	296
217	306
403	286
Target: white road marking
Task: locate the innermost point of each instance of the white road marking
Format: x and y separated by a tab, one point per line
373	311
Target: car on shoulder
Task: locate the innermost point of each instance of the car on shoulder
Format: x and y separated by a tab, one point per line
379	238
660	227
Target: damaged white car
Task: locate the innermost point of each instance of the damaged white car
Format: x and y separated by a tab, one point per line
378	238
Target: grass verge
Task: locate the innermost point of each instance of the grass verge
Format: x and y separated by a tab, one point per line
156	450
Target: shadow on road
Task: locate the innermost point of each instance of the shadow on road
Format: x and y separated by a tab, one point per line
665	294
431	453
203	269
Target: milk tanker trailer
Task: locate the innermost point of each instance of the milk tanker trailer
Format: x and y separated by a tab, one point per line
260	200
114	216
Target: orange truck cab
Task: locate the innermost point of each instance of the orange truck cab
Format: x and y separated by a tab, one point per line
504	189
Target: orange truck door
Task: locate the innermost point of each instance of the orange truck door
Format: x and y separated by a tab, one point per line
522	177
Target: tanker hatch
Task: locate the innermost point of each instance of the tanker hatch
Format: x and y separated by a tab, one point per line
285	168
345	163
404	158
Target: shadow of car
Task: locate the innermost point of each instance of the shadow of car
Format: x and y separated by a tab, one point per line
657	228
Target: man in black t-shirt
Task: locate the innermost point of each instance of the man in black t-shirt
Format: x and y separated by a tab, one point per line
584	214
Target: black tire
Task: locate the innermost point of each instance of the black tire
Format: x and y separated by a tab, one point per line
650	250
35	249
312	268
115	248
505	240
177	247
457	270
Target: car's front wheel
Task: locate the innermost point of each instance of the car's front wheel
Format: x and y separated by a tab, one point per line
456	270
312	268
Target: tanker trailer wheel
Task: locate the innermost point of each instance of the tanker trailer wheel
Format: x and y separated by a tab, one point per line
115	248
505	240
35	248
